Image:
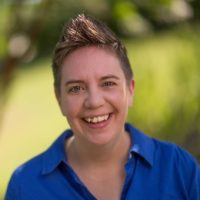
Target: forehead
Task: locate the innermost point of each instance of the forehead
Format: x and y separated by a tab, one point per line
92	61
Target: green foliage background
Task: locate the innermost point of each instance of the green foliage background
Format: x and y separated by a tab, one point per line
168	87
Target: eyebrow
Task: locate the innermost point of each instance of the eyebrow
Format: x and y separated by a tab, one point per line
73	82
110	77
81	81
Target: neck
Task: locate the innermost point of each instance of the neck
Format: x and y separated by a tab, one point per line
85	154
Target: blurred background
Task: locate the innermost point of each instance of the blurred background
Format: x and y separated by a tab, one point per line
163	42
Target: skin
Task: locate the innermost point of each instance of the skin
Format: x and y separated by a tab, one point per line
93	85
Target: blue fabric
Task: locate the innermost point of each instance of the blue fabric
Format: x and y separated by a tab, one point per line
155	170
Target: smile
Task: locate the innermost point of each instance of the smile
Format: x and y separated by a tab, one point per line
97	119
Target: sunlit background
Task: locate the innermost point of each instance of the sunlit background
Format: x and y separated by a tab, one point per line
162	38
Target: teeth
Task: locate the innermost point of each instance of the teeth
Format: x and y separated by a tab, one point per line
97	119
100	118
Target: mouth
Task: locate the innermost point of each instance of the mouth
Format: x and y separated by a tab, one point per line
97	119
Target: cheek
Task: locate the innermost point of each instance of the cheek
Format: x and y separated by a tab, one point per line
118	99
122	96
70	107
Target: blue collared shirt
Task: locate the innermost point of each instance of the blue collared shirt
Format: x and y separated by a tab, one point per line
155	170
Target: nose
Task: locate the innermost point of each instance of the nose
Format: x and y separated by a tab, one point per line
94	98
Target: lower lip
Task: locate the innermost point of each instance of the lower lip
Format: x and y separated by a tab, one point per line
100	124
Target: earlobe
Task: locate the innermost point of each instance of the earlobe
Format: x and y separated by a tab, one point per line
57	95
132	86
58	98
131	90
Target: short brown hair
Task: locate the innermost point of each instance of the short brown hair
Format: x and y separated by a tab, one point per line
87	31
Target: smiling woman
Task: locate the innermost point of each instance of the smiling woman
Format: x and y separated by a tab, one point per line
101	156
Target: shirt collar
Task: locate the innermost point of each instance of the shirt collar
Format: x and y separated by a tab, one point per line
142	145
55	154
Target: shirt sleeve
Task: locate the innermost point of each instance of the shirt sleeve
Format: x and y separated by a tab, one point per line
12	192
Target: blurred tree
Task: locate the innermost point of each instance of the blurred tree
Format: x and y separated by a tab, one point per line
21	32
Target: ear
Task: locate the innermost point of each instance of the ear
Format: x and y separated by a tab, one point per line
57	95
58	98
131	88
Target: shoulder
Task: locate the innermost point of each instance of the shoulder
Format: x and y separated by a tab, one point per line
30	168
46	161
30	176
173	153
158	150
176	158
24	176
180	163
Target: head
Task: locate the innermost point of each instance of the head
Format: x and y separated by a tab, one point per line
84	31
93	82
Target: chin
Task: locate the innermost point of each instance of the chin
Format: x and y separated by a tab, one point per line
101	140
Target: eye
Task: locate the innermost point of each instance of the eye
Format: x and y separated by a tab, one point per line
75	89
109	84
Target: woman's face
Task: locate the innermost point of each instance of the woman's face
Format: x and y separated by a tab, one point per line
94	95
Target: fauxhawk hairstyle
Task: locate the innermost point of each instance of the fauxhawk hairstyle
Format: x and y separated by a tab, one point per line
87	31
